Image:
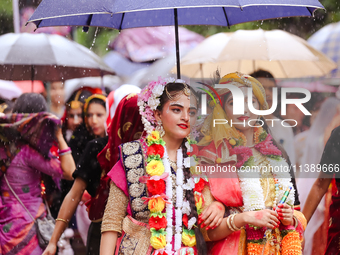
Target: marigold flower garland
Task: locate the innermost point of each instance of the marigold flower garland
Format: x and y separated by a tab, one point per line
252	192
159	181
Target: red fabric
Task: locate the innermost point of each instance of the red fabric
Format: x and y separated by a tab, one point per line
127	112
334	229
124	127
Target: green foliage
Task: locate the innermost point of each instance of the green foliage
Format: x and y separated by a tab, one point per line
6	16
97	39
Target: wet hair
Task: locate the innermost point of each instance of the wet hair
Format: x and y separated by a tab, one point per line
172	88
30	103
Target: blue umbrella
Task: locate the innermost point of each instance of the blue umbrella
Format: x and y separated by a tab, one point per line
122	14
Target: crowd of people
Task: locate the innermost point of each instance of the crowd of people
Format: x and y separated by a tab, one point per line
123	171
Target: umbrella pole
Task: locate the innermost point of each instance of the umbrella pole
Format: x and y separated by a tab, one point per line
177	45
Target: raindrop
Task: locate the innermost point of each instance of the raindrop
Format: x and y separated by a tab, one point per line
94	38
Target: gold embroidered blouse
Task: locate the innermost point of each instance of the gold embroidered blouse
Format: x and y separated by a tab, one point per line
115	210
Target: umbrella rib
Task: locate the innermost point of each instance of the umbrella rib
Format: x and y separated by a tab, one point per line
226	17
283	70
121	22
88	23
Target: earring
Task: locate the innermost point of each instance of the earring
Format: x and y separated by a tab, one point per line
160	128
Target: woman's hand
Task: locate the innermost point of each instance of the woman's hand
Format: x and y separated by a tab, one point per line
51	249
285	213
264	218
212	216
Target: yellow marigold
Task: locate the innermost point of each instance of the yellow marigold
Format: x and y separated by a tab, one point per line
155	167
188	240
232	141
156	204
154	136
218	160
158	242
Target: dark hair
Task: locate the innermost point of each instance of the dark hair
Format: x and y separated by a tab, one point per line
200	242
97	101
189	195
30	103
262	74
83	95
172	88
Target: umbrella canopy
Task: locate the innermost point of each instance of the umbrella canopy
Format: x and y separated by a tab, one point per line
151	43
311	86
327	40
122	66
283	54
47	58
132	13
8	90
122	14
30	87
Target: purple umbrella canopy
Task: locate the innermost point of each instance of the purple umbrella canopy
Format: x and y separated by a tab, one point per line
123	14
133	13
151	43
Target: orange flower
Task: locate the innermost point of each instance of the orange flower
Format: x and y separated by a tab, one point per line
156	204
291	244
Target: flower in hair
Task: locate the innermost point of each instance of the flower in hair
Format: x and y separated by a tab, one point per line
149	100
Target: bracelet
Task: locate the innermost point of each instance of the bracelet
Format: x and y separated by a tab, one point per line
60	219
63	151
233	223
228	223
296	221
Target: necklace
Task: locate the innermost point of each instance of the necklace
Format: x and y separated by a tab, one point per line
173	164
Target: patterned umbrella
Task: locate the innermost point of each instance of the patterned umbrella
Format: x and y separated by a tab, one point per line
122	14
327	40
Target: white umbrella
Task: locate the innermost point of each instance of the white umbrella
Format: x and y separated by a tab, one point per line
283	54
327	40
8	90
46	57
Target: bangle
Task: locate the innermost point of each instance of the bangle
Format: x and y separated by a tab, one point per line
63	151
233	223
296	221
228	223
59	219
